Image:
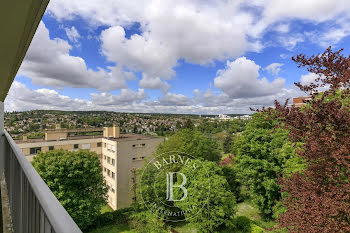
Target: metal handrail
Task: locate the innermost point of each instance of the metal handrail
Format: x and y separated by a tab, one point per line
34	208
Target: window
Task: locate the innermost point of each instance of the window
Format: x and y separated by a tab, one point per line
113	161
113	189
76	146
108	172
105	157
51	147
134	145
99	144
105	145
108	147
105	169
113	175
113	148
108	160
35	150
143	144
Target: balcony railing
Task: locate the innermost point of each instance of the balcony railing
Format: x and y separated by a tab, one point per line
33	206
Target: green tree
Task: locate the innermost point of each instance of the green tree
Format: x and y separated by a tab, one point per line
189	124
262	152
193	143
228	143
75	177
216	207
231	176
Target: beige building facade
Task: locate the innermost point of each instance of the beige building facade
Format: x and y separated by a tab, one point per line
120	155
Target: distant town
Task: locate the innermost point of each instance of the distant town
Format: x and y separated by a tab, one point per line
33	123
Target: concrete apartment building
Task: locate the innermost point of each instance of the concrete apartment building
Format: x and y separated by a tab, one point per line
120	155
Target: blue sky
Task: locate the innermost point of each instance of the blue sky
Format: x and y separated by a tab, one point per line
186	56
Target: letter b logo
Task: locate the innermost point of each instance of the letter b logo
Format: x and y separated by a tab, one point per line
170	186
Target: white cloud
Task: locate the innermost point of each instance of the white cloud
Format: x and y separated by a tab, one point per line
138	53
309	78
154	83
170	99
126	97
274	68
72	34
49	63
284	56
332	35
177	30
240	79
21	98
282	28
195	31
290	41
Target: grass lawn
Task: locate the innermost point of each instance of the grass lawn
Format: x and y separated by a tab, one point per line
250	210
184	228
105	209
113	229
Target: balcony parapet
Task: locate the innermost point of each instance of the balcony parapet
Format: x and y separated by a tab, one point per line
33	207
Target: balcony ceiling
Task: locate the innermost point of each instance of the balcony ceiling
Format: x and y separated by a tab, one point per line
19	20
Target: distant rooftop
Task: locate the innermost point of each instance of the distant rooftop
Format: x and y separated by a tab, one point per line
123	137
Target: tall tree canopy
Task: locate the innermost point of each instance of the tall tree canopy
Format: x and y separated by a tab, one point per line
75	177
318	199
214	208
193	143
261	153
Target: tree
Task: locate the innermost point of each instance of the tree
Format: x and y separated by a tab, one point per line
75	177
261	153
318	198
216	208
231	176
228	142
189	124
193	143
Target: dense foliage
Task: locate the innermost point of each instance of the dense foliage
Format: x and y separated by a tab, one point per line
146	221
193	143
75	177
216	207
318	199
261	153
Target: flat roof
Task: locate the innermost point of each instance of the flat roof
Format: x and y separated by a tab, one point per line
123	137
132	137
80	137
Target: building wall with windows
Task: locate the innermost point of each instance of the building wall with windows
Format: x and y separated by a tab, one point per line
31	148
120	156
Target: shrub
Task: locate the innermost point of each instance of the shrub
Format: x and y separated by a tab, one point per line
241	224
256	229
115	217
146	221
